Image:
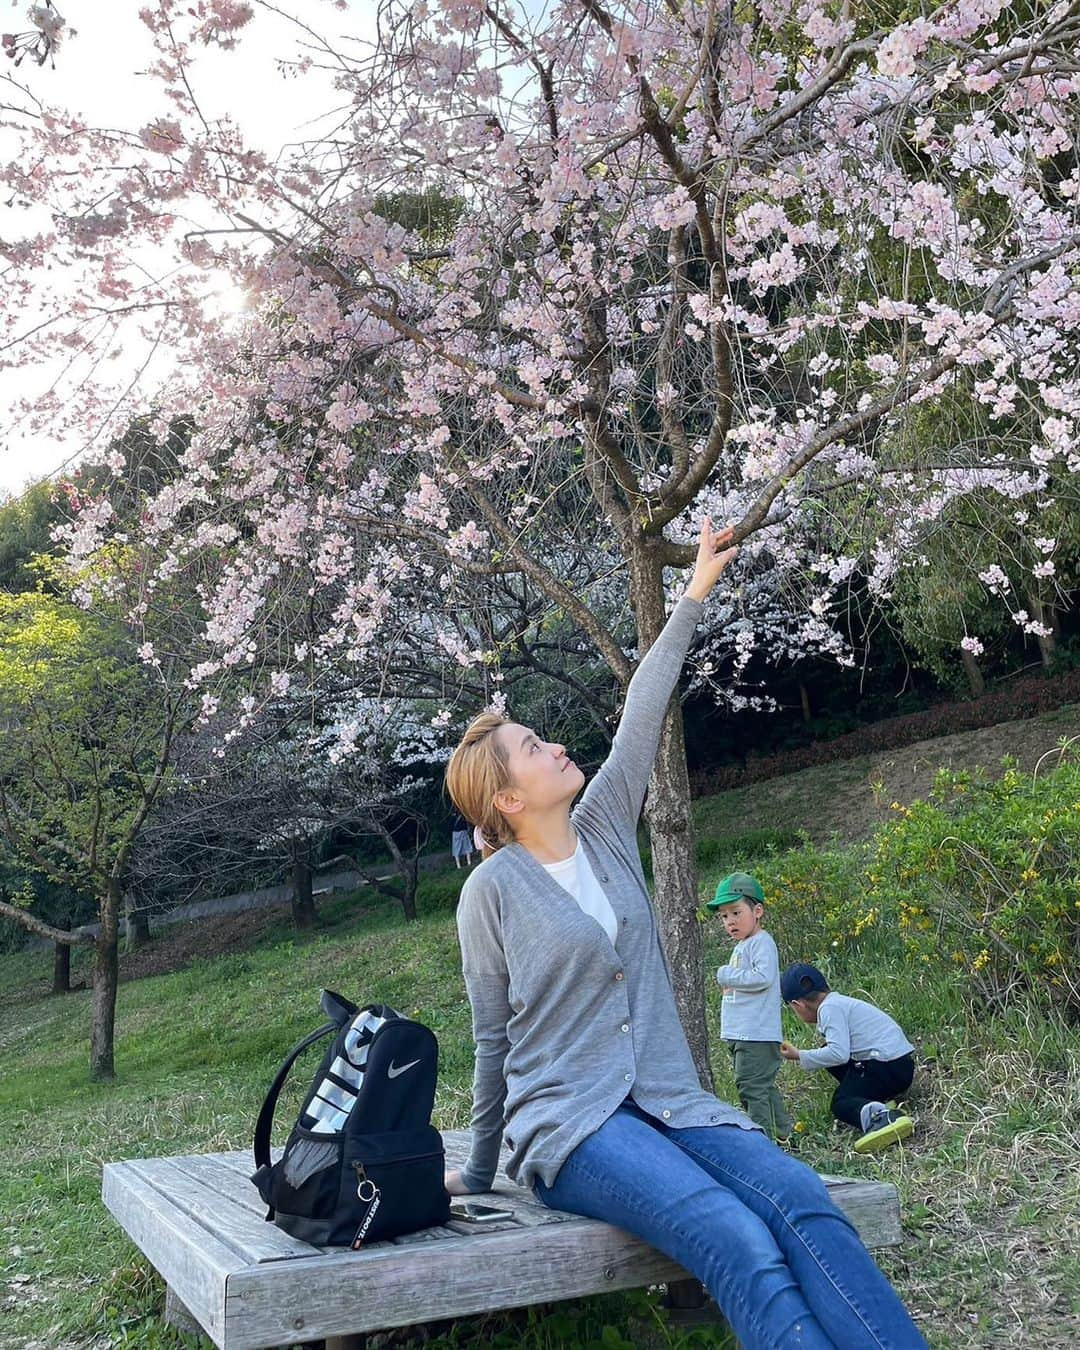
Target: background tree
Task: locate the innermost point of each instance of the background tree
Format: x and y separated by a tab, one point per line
59	906
286	797
88	731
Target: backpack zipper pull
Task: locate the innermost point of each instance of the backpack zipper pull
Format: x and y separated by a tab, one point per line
369	1194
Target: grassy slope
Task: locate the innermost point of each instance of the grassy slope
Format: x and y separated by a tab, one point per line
989	1189
851	797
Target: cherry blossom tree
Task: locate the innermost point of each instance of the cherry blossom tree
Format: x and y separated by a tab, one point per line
282	790
40	41
692	257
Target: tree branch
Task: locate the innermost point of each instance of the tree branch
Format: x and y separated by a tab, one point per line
39	928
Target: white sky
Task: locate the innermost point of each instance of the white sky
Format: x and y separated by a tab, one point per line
98	74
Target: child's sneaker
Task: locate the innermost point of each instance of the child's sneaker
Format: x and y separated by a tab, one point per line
884	1128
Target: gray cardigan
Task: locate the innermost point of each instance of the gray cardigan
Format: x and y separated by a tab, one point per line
567	1024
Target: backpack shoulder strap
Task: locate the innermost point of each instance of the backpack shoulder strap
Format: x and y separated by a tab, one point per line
266	1113
338	1009
341	1012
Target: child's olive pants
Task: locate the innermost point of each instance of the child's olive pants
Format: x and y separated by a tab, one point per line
756	1064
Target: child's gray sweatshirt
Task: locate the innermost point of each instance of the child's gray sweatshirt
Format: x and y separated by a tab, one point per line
750	1010
854	1029
566	1023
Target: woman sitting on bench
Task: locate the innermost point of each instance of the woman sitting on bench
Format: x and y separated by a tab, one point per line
579	1047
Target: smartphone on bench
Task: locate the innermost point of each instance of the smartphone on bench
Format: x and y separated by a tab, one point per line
471	1212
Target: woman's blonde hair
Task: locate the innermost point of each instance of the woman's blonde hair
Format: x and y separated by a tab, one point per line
478	769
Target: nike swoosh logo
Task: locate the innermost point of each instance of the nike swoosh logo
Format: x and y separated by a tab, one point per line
394	1070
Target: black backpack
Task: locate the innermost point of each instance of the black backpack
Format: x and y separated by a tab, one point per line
363	1161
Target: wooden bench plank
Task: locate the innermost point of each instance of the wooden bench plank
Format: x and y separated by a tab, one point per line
200	1221
872	1206
365	1291
190	1260
244	1230
232	1185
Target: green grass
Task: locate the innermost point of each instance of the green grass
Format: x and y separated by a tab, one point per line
988	1185
73	1278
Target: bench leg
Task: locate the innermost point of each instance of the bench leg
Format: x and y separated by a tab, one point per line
177	1315
688	1305
685	1294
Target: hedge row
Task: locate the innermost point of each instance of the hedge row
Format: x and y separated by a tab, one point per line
1023	698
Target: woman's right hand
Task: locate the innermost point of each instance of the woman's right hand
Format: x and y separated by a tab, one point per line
454	1184
713	556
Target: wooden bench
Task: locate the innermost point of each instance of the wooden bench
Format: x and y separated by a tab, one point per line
245	1284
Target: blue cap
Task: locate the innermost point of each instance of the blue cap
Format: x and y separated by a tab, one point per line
800	979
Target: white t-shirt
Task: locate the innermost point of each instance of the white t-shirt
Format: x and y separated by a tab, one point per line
575	875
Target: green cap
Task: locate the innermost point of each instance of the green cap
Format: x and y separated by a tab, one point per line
738	886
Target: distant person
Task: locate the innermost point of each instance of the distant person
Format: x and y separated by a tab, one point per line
750	1007
580	1055
865	1051
461	840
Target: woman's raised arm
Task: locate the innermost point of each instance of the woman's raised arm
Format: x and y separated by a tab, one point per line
618	789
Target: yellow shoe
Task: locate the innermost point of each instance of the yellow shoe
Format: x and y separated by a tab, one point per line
886	1127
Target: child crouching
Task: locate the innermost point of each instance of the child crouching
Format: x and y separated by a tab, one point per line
864	1050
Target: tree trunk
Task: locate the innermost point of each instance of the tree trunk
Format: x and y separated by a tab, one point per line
1047	616
407	868
303	901
138	926
410	868
61	980
671	832
976	683
103	1006
804	699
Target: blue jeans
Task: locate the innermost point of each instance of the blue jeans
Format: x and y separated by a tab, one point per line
755	1226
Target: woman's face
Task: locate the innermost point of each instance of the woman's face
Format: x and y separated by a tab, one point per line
542	773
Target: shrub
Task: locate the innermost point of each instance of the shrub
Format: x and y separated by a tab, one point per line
816	900
980	885
987	876
439	893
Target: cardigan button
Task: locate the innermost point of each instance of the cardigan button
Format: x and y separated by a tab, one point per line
666	1115
625	1026
618	975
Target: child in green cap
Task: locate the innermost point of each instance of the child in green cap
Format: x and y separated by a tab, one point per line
750	1009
